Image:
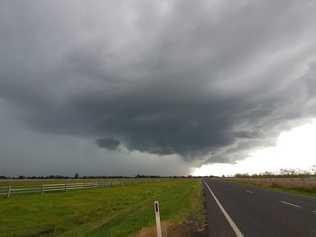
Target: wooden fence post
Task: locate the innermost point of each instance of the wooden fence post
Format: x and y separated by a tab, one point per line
42	189
65	187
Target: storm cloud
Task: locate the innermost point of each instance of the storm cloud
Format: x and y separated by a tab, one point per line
206	81
108	143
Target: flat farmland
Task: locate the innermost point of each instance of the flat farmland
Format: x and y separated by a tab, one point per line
117	211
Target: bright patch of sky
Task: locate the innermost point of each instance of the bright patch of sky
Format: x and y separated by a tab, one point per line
294	149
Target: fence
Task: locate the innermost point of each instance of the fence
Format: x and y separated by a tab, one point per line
44	188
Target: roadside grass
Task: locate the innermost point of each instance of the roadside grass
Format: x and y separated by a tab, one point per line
114	212
300	186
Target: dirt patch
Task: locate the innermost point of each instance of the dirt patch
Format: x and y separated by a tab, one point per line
188	229
146	232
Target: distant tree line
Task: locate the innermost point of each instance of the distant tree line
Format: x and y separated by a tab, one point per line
283	173
76	176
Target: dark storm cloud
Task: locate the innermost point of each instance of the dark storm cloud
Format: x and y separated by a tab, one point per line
190	78
108	143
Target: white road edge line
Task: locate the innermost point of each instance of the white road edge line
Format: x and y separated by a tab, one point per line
290	204
228	218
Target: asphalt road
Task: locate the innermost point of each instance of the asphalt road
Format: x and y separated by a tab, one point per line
238	210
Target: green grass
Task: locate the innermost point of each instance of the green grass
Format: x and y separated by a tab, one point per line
117	211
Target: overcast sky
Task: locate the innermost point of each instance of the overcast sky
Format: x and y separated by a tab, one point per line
151	87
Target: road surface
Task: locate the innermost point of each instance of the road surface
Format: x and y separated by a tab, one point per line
238	210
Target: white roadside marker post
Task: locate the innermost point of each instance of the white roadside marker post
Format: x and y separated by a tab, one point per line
157	215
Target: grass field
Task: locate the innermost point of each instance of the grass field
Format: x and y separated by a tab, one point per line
303	186
118	211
